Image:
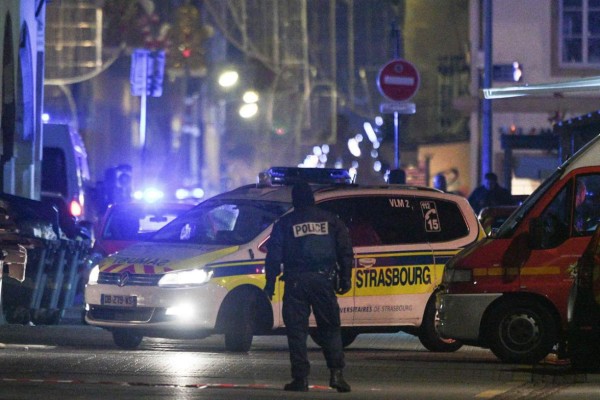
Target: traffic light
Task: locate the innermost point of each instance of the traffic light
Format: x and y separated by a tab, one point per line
280	128
187	38
124	179
118	183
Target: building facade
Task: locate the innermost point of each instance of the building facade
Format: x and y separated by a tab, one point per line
21	91
551	41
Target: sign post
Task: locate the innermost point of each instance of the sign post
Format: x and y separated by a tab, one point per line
398	81
146	78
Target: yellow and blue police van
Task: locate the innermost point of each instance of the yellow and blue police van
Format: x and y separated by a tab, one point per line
203	273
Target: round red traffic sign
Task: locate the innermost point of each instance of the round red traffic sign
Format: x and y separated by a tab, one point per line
398	80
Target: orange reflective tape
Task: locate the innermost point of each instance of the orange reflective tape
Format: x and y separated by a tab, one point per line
541	271
498	271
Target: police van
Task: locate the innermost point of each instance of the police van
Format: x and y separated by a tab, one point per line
203	273
65	180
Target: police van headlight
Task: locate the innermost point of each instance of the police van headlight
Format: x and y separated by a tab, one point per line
94	273
185	278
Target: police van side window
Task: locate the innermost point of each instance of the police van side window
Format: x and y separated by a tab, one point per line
443	220
586	204
381	220
572	212
555	219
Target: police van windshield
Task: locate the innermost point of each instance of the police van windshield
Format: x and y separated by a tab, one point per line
222	222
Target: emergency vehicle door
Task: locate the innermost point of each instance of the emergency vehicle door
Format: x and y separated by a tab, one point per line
568	221
392	259
392	278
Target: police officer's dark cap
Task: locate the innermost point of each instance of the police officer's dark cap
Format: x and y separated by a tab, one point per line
302	195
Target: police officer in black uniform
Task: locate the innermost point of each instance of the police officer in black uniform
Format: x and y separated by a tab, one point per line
310	242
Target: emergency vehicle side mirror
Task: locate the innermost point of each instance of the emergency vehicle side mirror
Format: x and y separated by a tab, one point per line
536	233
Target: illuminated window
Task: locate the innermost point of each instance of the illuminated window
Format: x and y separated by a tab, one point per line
579	33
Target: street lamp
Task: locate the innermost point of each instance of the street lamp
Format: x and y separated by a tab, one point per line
229	99
250	107
248	110
228	78
250	96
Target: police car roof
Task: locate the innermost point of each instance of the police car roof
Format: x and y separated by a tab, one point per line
257	191
283	193
275	184
289	175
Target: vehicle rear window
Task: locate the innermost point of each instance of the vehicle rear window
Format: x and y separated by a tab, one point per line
389	220
381	220
449	218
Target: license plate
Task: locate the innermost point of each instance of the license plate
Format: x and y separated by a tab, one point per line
118	300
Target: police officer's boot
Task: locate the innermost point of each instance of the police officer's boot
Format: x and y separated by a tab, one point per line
297	385
338	382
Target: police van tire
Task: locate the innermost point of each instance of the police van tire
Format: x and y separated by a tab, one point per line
314	335
522	332
348	337
126	339
429	335
239	332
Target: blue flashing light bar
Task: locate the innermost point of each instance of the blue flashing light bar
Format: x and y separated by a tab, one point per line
288	175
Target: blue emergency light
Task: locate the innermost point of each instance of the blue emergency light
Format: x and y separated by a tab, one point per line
288	175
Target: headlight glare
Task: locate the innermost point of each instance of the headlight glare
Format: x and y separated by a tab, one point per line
185	278
94	272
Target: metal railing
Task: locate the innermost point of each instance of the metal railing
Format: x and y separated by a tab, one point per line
54	281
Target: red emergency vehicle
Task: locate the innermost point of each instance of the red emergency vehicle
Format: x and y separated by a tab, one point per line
509	292
584	310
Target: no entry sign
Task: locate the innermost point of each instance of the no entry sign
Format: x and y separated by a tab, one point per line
398	80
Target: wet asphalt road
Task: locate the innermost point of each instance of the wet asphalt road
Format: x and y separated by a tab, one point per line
81	362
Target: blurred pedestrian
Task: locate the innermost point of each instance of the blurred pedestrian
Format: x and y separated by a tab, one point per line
311	244
490	194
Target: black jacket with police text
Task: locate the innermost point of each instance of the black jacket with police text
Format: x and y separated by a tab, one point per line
308	239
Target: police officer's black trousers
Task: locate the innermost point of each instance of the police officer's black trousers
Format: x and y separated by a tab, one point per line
301	293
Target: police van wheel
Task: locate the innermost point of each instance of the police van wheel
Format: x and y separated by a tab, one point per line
314	335
428	333
521	332
348	337
126	339
240	330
